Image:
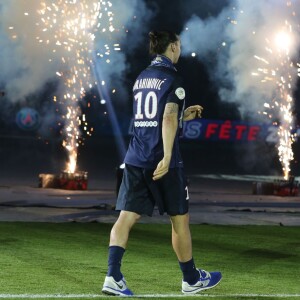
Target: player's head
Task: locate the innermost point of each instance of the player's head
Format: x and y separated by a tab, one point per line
166	43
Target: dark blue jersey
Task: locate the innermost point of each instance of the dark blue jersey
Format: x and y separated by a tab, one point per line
156	86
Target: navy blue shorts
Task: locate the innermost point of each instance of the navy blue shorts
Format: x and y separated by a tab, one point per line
139	193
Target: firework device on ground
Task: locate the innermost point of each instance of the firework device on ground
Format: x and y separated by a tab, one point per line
282	188
65	180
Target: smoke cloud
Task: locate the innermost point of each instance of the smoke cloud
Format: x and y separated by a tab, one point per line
24	64
251	52
229	42
24	61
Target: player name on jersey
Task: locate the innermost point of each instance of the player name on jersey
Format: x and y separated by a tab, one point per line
148	83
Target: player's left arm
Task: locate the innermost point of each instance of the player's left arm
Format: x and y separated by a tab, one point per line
178	93
192	112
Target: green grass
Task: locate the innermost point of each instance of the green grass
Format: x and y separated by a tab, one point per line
71	258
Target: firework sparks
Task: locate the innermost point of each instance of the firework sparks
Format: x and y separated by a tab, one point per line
69	27
254	60
278	70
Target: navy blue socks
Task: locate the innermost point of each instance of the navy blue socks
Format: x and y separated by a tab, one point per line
115	254
189	271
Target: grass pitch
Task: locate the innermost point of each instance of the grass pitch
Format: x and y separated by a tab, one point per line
70	260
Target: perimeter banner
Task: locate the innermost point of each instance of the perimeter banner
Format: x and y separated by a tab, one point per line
233	131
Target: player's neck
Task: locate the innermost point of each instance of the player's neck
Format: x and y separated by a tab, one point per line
168	56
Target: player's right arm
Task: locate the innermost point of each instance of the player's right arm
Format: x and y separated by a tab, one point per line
169	129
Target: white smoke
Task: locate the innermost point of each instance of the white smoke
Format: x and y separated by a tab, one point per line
24	61
130	21
228	43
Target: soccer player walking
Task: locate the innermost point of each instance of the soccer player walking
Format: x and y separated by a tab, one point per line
153	173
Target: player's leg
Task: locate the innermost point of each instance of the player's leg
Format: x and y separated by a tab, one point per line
194	280
118	242
115	283
120	231
182	245
181	237
132	202
176	205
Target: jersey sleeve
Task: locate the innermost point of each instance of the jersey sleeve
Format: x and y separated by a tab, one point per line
177	92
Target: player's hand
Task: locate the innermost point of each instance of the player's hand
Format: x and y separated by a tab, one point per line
162	168
192	112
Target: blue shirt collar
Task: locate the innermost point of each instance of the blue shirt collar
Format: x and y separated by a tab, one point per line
162	61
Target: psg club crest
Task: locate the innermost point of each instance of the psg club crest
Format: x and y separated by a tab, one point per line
28	119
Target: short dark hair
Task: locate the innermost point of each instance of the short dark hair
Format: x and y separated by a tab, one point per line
160	40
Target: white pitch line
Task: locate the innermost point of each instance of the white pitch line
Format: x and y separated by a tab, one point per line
90	296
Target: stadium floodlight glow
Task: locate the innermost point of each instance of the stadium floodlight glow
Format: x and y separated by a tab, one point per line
111	111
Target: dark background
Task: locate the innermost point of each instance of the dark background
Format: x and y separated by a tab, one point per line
25	154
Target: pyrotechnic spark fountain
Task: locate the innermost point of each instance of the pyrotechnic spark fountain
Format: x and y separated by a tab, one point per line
279	72
69	27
